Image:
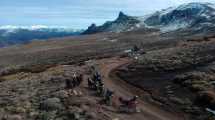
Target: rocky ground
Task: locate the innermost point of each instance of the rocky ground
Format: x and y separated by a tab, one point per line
172	74
42	96
181	77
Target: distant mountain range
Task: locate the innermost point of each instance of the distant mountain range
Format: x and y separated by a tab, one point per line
10	35
192	16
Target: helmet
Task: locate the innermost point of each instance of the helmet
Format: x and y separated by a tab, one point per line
136	97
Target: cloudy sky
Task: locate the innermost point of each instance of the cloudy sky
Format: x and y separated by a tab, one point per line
76	13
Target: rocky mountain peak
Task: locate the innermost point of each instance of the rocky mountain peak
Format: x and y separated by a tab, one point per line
122	15
92	26
190	15
193	16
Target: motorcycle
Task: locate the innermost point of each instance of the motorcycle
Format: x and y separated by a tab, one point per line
128	106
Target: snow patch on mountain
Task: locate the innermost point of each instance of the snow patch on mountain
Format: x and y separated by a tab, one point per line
13	28
184	16
191	6
10	35
33	27
166	11
174	26
191	16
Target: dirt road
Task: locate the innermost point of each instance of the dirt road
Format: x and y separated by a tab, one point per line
37	87
122	89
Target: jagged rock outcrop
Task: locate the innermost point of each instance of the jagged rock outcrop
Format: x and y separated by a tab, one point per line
122	23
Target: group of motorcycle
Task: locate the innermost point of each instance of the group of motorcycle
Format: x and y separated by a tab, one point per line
96	83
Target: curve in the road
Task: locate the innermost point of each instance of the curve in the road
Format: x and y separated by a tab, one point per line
123	89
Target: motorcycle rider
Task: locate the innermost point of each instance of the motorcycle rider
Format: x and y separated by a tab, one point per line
108	96
133	102
90	83
130	104
100	89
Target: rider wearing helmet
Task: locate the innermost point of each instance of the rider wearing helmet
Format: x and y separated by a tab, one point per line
133	102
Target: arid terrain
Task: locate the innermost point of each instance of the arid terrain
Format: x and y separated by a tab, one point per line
172	73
